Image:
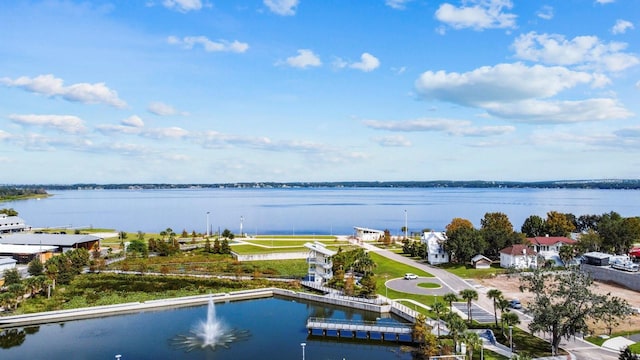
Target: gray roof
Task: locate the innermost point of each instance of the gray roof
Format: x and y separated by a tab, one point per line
46	239
7	260
597	255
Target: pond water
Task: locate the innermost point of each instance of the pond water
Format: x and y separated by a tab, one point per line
276	329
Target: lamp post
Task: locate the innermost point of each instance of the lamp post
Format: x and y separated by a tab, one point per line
406	229
303	345
241	220
207	232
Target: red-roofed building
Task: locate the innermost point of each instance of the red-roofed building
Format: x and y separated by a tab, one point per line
518	256
549	246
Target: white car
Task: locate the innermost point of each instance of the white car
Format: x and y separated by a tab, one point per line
410	276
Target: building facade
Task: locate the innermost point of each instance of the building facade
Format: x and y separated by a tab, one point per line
10	224
518	256
435	247
320	263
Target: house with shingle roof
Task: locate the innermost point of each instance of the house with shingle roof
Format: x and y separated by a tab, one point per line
549	246
519	256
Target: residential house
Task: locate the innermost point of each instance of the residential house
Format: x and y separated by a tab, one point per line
518	256
435	247
320	262
549	246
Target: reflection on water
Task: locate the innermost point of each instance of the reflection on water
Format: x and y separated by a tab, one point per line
15	337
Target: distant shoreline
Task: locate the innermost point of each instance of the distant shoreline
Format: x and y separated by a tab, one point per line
613	184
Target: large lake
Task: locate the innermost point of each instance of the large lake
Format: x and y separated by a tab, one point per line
310	210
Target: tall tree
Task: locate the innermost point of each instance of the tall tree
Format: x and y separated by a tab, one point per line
559	224
588	222
440	309
11	276
458	222
456	327
497	231
35	267
469	295
554	307
450	298
589	241
473	341
495	295
533	226
463	243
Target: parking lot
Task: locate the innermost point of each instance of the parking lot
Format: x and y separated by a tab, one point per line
477	313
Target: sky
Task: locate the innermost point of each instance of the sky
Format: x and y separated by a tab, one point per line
206	91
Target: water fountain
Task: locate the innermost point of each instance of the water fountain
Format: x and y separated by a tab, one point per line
210	334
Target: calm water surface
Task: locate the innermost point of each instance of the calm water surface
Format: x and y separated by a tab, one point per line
276	326
310	211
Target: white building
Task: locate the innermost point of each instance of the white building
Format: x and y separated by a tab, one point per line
435	247
518	256
549	246
9	224
365	234
320	262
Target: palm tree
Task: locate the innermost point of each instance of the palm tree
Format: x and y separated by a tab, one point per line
469	295
450	298
441	310
495	295
509	319
473	341
456	326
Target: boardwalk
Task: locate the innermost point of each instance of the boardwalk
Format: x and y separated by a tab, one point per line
352	327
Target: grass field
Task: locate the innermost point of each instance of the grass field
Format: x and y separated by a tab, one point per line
292	242
469	272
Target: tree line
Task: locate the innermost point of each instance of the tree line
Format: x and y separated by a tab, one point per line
609	232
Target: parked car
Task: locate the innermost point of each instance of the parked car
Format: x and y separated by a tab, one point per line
515	304
410	276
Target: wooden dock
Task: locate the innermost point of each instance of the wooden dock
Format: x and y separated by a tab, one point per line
351	328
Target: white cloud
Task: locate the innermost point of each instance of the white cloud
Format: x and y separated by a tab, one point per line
545	12
304	59
134	121
516	92
173	132
397	4
188	42
622	26
535	111
500	83
282	7
183	5
118	129
477	15
605	1
49	85
64	123
584	51
451	127
367	63
393	141
162	109
4	135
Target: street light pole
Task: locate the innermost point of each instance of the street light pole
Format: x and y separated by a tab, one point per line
241	220
207	232
303	345
405	224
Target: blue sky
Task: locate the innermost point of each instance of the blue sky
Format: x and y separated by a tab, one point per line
188	91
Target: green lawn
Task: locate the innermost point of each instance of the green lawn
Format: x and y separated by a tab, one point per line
292	242
294	237
429	285
469	272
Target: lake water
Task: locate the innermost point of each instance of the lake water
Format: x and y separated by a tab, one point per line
310	210
276	328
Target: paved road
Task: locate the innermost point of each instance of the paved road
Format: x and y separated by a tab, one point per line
581	349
